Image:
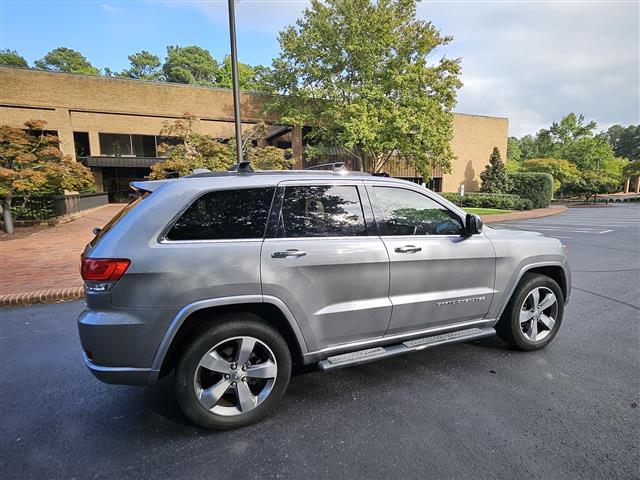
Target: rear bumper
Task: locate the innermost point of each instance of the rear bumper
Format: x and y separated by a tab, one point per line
119	344
121	375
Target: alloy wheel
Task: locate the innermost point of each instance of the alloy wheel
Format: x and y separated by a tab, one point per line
538	314
235	376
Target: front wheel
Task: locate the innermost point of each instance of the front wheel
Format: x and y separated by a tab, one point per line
534	314
233	373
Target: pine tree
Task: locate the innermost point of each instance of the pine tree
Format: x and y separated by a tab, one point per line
494	177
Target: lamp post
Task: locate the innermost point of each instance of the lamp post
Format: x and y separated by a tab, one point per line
234	78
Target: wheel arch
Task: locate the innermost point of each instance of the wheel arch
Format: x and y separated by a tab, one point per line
554	270
272	310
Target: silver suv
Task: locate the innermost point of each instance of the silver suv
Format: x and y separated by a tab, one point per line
235	280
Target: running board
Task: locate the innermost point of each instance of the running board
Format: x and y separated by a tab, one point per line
371	354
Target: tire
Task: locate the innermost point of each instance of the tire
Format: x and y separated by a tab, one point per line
224	395
516	325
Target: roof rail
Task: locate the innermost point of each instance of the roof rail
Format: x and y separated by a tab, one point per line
244	166
335	166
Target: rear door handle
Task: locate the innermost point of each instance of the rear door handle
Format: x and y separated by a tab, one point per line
288	253
408	249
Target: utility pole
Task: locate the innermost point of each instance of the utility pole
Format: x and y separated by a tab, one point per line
234	78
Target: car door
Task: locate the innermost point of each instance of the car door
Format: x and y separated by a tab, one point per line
319	259
438	274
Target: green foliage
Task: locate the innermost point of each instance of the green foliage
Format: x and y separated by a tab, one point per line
625	141
631	169
592	183
494	177
537	187
562	171
364	75
202	151
514	154
12	58
144	66
192	64
249	77
502	201
66	60
573	139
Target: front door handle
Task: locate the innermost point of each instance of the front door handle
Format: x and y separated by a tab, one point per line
288	253
408	249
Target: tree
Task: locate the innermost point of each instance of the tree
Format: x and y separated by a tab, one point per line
514	154
592	183
625	141
249	77
631	169
66	60
12	58
362	75
202	151
494	177
562	171
144	66
31	163
192	64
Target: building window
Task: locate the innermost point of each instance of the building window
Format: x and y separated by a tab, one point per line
144	145
81	144
163	143
115	145
434	184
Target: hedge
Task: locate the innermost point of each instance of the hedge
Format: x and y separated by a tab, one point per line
489	200
535	186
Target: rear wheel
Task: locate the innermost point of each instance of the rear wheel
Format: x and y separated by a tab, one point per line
233	373
534	314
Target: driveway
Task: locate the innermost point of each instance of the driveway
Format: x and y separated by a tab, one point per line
475	410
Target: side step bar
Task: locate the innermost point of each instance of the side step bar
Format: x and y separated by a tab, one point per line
371	354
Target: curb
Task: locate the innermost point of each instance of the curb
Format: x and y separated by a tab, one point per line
42	296
524	215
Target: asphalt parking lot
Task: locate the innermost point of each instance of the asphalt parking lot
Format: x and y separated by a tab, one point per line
475	410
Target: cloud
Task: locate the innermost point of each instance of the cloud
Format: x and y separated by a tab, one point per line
532	62
109	8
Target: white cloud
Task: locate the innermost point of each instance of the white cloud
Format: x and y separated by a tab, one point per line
529	61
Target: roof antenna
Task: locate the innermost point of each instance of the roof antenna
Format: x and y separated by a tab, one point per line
242	167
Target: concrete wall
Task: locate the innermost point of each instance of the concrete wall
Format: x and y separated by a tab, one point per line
94	104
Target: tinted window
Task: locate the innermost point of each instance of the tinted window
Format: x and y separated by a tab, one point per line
407	212
225	214
321	211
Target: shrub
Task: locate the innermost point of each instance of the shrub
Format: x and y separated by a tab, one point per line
503	201
535	186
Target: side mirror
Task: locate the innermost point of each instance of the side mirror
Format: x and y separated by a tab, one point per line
473	224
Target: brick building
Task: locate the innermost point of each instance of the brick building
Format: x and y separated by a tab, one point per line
113	125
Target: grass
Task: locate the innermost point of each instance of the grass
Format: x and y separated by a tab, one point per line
486	211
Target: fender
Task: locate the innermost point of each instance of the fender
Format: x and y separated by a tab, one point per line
184	313
525	269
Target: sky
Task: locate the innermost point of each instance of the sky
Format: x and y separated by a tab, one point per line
529	61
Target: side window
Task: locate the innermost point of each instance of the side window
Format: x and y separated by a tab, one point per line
321	211
407	212
224	215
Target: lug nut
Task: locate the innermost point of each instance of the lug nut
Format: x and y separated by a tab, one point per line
244	368
226	376
233	384
233	366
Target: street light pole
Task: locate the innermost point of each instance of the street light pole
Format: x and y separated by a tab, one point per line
234	78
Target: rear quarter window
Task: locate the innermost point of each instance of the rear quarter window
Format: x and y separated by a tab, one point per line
225	215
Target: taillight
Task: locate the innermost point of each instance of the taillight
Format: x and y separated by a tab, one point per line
103	269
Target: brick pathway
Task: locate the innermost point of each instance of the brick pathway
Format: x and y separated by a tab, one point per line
49	258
